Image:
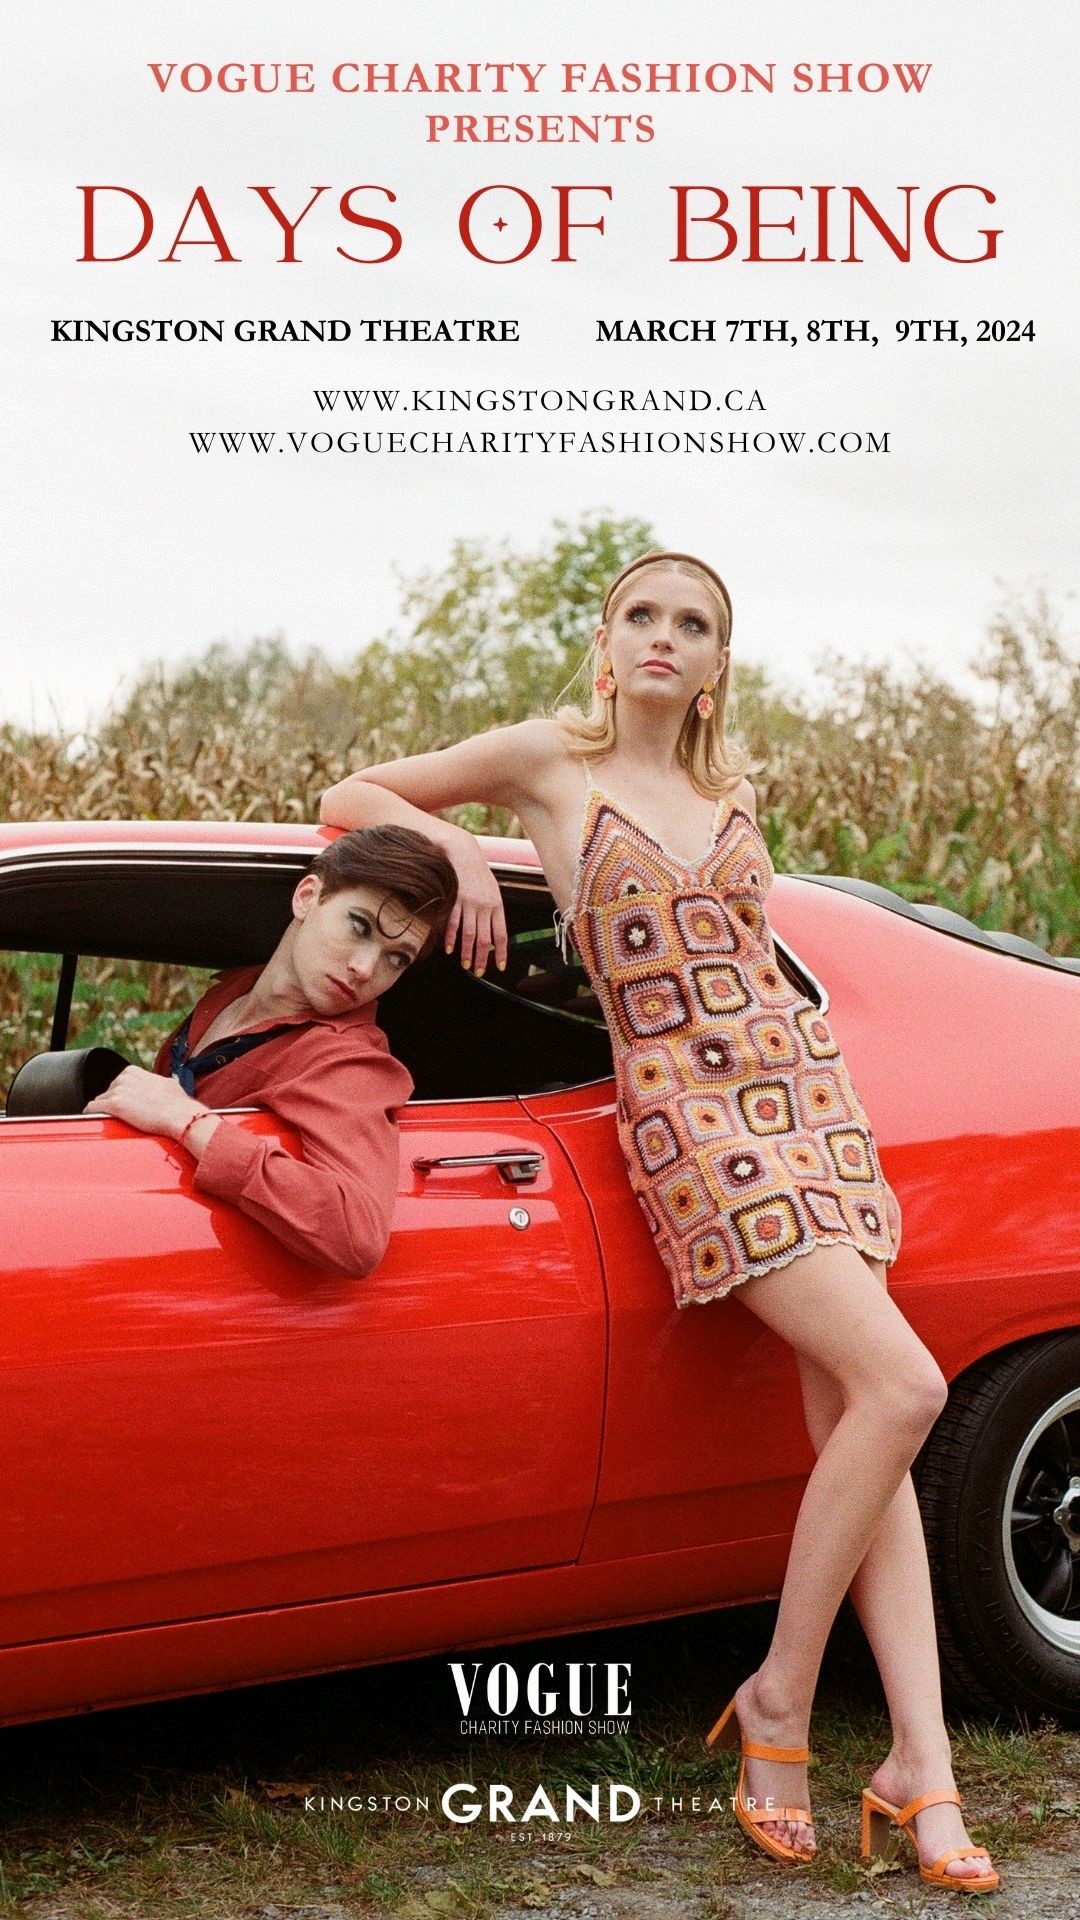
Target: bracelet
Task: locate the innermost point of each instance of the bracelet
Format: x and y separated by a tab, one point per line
203	1114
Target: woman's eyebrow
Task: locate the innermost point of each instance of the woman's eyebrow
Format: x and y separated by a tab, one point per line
688	606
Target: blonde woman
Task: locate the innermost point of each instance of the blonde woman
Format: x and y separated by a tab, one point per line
645	824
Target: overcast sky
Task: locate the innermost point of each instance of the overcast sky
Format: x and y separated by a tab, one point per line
123	543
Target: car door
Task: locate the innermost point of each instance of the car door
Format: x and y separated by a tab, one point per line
193	1422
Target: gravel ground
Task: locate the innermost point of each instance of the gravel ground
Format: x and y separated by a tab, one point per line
1041	1883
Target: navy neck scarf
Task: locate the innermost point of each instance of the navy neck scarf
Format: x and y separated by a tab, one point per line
187	1069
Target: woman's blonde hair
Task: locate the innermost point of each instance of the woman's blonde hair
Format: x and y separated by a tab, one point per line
714	763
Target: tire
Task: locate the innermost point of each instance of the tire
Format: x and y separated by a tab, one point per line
1003	1531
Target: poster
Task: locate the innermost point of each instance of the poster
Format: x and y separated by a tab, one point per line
299	298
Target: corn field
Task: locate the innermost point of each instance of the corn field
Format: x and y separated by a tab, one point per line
907	782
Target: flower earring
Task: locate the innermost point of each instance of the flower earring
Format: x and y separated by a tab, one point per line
705	703
605	681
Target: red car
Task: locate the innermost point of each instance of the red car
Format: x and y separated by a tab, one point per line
222	1465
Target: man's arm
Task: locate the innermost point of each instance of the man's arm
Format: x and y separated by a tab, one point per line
335	1205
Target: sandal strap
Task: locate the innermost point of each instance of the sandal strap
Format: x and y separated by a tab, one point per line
753	1750
797	1815
960	1853
945	1796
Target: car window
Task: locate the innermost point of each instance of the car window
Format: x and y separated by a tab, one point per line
532	1029
127	1004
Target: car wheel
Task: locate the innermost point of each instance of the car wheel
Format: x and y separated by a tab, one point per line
999	1487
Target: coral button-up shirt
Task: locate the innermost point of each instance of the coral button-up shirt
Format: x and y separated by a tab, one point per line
334	1080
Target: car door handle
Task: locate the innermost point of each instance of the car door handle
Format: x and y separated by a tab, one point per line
517	1169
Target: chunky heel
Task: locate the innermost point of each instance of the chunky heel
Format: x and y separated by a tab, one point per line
726	1731
877	1828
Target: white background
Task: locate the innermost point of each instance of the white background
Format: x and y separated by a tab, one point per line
122	544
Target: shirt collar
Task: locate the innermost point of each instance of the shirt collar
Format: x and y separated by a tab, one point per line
238	980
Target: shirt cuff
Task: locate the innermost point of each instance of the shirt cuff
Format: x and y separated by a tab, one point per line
227	1161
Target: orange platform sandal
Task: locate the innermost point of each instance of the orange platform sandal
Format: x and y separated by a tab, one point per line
880	1818
727	1733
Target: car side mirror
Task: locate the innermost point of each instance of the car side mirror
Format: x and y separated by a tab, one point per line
59	1083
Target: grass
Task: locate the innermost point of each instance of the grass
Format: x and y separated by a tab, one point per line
196	1808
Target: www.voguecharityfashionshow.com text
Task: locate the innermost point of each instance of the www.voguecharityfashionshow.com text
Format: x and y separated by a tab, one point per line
621	410
534	440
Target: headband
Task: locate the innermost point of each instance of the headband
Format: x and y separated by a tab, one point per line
652	559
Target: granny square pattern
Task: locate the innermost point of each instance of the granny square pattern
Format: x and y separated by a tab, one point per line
743	1136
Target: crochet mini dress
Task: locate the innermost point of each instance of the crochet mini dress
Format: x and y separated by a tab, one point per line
744	1139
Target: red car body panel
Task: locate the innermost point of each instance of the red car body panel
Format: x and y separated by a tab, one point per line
209	1425
222	1465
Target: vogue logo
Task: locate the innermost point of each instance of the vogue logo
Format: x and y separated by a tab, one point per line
582	1687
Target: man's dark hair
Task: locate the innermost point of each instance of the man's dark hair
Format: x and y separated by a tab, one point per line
406	866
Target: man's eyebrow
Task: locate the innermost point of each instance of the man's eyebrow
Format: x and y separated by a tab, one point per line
411	946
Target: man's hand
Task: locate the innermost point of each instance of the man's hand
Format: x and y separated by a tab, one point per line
146	1101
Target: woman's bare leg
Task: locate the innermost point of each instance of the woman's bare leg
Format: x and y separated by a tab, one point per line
892	1596
890	1391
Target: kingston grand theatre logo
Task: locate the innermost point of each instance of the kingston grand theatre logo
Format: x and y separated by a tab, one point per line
548	1697
567	1697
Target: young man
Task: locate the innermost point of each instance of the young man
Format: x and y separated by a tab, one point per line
298	1036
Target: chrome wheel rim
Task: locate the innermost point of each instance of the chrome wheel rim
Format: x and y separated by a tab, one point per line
1040	1527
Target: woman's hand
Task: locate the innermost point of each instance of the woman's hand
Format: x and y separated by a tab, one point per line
478	911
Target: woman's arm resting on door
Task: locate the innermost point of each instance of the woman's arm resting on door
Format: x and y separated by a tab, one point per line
498	769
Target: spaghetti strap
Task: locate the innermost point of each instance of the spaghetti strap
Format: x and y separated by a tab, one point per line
729	807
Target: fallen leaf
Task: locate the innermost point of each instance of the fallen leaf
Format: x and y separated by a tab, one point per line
878	1867
597	1875
287	1789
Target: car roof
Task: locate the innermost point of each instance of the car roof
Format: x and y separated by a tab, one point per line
266	836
